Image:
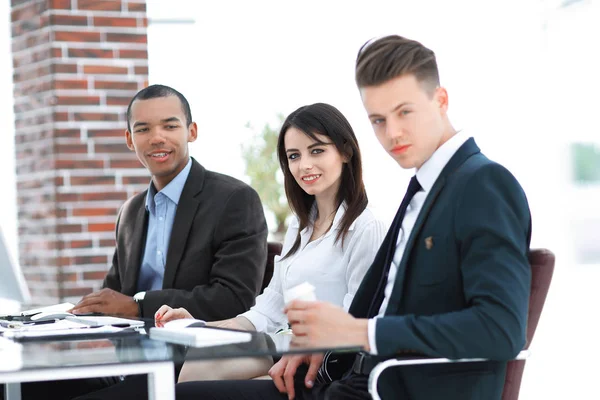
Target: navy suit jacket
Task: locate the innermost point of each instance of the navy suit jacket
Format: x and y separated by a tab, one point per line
462	287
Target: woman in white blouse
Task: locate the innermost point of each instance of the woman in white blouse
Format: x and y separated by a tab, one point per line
334	238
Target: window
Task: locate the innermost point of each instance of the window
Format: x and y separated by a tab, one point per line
586	163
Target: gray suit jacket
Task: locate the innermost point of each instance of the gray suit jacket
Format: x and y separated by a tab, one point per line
217	250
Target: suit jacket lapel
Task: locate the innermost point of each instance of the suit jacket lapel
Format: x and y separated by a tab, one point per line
135	249
429	202
462	154
184	217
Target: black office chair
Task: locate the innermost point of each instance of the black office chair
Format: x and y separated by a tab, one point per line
273	249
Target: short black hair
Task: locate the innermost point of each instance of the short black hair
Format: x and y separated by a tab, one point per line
156	91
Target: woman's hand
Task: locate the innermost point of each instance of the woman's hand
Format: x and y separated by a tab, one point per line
166	314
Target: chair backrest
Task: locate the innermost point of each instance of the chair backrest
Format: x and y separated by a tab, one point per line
542	267
273	249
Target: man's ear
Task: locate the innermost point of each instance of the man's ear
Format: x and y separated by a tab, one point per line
129	140
192	132
441	96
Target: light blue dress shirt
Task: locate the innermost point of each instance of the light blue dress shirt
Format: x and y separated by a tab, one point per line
161	209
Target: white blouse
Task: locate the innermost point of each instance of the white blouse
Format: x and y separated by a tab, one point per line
336	273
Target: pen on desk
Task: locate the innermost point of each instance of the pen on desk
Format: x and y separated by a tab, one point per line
90	314
11	325
47	321
102	326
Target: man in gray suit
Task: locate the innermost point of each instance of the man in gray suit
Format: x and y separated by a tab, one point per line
194	239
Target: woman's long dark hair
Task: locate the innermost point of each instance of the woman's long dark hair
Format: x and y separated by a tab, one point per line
326	120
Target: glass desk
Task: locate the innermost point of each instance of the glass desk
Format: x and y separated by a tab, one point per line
131	355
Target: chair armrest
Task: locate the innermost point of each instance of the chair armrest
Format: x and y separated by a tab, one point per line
401	362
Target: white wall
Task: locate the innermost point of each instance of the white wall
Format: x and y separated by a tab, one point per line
247	61
510	86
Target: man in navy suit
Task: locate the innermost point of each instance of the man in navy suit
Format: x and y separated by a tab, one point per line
451	279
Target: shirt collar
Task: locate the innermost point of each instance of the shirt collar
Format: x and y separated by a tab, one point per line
432	168
172	190
337	220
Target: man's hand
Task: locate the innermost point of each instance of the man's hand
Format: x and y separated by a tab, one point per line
284	370
107	301
322	325
166	314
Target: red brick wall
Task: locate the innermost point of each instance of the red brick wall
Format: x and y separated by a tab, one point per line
76	65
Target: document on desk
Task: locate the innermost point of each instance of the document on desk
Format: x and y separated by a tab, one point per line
66	330
57	311
105	320
60	312
198	336
19	326
56	308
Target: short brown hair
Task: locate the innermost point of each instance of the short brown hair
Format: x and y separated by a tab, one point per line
389	57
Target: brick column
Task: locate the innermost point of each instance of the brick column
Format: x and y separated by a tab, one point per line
76	65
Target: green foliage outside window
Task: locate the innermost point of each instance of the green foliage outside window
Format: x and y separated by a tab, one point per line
586	162
262	167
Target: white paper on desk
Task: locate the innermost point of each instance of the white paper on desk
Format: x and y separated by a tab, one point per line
50	315
104	320
199	336
55	326
57	308
183	323
62	332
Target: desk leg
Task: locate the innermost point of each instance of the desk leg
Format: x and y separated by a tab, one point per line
12	391
161	383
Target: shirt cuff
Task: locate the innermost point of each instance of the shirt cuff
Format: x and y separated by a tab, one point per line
372	324
257	319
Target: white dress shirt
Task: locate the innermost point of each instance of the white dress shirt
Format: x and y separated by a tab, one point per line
336	273
426	175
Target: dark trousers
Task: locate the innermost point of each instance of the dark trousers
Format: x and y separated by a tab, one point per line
136	387
61	390
351	387
132	387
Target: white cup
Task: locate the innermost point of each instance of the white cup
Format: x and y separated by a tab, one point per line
304	291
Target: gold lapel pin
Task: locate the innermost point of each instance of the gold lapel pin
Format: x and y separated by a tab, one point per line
429	242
